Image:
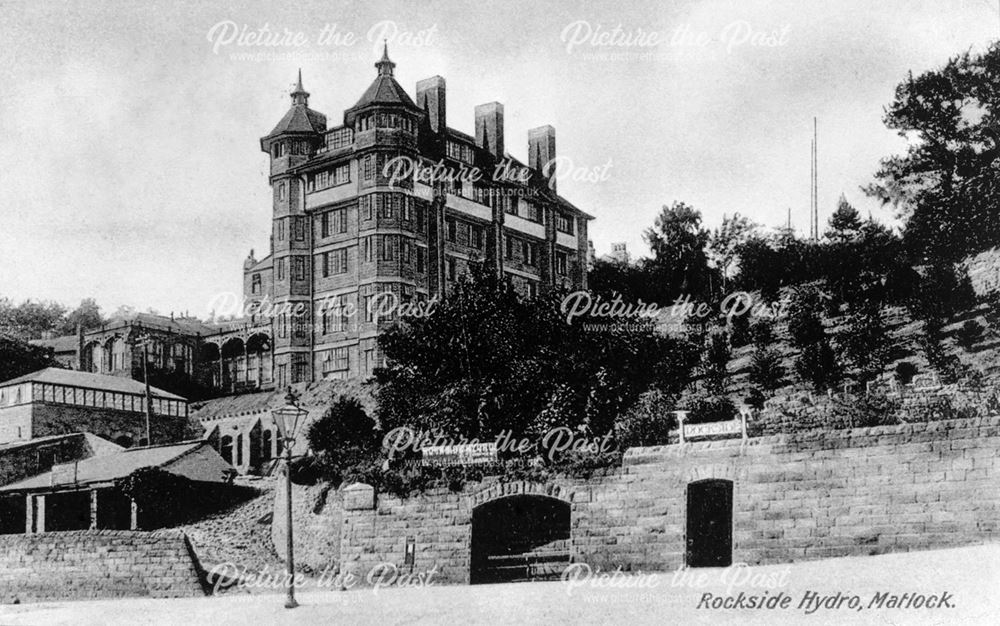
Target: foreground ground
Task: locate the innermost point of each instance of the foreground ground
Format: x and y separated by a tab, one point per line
970	575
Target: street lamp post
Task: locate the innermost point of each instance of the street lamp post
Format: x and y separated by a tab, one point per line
288	419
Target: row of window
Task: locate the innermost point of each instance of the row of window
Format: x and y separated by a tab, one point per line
391	206
298	228
336	360
298	268
325	179
528	249
339	138
392	248
334	262
472	235
459	151
386	120
333	222
284	148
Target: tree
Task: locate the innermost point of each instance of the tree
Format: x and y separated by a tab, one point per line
845	223
817	364
344	425
766	371
87	316
716	361
805	323
30	319
947	184
865	342
633	281
487	360
18	358
678	242
725	243
345	440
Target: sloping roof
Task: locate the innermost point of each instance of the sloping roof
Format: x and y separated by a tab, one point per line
107	467
66	343
88	380
316	397
300	119
181	325
385	90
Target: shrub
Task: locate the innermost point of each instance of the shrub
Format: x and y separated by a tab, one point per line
969	333
948	366
739	331
943	291
867	411
716	359
714	408
804	322
762	333
817	365
165	499
648	422
865	343
766	371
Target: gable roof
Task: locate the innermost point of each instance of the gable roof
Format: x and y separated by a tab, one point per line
88	380
106	468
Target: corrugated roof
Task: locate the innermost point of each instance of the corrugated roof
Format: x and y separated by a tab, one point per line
108	467
88	380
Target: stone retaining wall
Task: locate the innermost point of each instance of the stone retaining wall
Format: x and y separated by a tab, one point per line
96	564
796	496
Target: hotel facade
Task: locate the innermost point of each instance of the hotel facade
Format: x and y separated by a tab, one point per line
358	227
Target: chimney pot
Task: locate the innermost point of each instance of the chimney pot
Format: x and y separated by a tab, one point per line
489	128
542	150
431	98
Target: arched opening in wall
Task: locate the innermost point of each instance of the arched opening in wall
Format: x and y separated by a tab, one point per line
519	538
124	441
226	449
709	523
233	364
258	370
208	365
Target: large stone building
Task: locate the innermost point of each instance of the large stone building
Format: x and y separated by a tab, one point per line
351	226
349	240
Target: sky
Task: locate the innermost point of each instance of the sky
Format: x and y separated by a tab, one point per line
130	165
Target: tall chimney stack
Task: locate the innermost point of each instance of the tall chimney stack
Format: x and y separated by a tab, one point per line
489	128
542	150
431	98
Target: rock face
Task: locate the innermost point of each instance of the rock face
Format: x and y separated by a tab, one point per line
90	564
806	495
984	271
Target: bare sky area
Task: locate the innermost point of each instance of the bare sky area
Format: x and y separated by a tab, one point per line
129	155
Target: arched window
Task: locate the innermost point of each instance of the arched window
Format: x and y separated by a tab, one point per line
226	449
239	449
266	445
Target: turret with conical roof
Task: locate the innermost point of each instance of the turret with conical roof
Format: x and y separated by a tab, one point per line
384	92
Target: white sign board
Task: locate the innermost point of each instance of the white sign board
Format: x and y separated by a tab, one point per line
467	454
737	427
